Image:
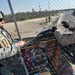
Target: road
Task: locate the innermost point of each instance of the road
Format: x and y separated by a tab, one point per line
68	17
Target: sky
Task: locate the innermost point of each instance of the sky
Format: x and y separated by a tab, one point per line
28	5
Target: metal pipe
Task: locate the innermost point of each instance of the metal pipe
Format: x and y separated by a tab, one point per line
14	19
24	65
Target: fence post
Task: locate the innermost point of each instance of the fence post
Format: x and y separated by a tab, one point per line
14	19
18	36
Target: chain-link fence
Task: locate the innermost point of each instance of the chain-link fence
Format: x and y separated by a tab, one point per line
31	16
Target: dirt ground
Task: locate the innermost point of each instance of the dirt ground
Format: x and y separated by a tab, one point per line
27	28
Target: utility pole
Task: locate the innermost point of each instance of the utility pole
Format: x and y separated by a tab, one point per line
41	13
48	6
49	11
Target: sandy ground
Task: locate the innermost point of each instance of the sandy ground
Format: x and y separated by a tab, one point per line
28	28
